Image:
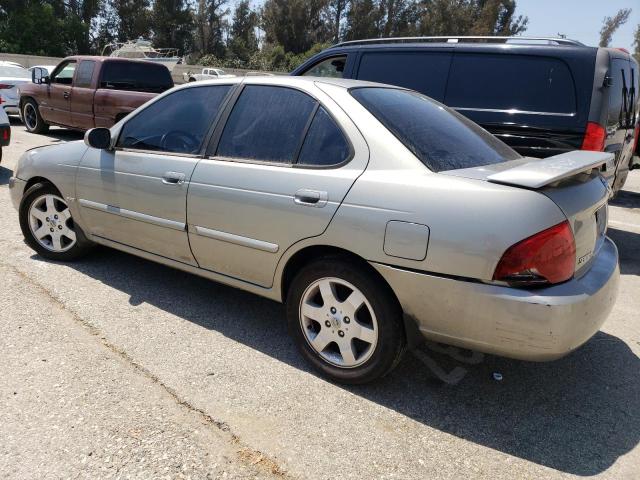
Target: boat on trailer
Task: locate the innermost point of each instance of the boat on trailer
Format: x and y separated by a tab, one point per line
142	49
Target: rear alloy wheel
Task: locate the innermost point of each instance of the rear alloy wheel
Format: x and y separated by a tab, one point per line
345	321
48	226
33	122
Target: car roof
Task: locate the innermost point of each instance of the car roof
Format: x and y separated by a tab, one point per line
285	81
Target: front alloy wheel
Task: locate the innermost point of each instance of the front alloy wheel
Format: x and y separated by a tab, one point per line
48	226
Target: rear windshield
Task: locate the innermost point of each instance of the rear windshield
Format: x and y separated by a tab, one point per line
141	77
440	137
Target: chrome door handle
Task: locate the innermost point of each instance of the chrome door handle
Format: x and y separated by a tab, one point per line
66	95
173	178
310	198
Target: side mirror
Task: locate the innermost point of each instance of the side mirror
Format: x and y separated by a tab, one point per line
40	75
99	138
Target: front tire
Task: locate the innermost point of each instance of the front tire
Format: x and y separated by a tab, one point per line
48	227
345	320
32	119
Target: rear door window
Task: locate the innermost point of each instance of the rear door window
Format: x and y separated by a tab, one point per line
325	144
266	124
136	76
425	72
330	67
511	84
85	74
440	137
177	123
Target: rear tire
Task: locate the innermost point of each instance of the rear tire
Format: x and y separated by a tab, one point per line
32	119
345	321
48	227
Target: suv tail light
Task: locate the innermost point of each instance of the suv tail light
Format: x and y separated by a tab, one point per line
594	137
544	258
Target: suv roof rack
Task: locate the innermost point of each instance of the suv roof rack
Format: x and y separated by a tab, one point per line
463	39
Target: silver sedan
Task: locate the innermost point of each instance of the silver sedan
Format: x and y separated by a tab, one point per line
379	216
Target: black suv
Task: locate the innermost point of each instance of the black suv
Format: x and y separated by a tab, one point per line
542	96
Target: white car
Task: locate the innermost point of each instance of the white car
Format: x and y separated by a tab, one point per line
11	76
207	74
48	68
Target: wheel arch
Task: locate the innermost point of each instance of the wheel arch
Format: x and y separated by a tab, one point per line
38	179
310	253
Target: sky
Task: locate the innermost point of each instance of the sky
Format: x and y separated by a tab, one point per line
577	19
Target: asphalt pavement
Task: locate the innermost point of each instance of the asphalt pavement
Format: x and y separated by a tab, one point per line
115	366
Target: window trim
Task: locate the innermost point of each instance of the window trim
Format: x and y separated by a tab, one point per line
214	142
60	68
201	149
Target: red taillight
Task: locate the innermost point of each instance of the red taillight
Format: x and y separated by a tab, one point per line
5	133
546	257
594	137
5	86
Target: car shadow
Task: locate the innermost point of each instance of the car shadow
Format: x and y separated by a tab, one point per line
5	174
577	415
627	199
628	244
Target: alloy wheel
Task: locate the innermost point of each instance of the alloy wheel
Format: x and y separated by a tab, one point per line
51	224
338	322
30	116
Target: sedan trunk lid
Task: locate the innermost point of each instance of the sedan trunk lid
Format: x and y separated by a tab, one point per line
572	180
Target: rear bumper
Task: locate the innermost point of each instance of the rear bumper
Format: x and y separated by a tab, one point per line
536	325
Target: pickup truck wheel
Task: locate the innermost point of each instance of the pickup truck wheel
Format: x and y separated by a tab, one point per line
32	119
48	227
345	322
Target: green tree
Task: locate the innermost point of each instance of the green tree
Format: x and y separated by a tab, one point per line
295	24
611	24
636	43
210	23
172	24
134	18
362	20
243	42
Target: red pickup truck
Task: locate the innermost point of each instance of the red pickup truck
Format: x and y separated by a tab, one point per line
85	92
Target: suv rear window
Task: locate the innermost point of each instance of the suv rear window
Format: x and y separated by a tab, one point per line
137	76
510	82
440	137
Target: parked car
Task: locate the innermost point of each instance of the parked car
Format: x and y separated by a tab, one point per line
11	76
542	97
85	92
5	131
378	215
207	74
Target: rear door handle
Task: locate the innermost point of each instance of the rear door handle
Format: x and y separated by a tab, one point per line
173	178
310	198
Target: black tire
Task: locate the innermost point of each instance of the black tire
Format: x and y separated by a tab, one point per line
34	123
391	339
82	245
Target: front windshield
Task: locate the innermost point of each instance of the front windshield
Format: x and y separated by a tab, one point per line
440	137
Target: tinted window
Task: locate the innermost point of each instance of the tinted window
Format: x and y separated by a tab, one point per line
138	76
620	106
330	67
85	74
325	144
267	124
176	123
506	82
422	71
441	138
64	75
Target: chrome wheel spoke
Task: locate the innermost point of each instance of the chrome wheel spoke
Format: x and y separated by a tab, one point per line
42	232
327	292
366	334
64	215
346	351
355	300
322	339
39	214
70	234
314	313
56	240
51	208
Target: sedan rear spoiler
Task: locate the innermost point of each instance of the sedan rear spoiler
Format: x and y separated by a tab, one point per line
539	173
